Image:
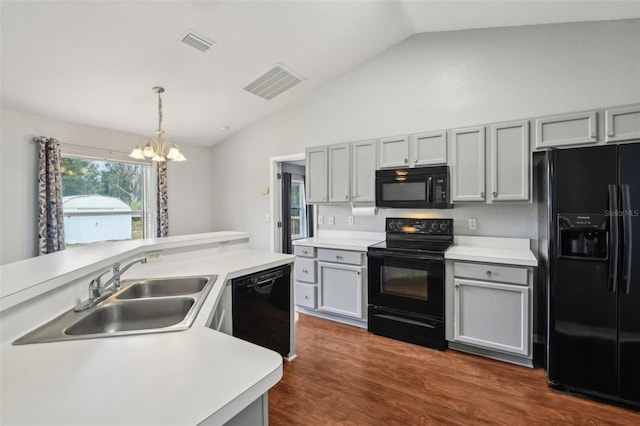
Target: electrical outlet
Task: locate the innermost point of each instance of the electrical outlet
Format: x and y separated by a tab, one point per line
472	224
332	220
350	220
320	219
153	256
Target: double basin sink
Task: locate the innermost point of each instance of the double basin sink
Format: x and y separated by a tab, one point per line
139	307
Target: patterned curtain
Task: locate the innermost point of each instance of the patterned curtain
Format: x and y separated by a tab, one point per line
163	211
50	214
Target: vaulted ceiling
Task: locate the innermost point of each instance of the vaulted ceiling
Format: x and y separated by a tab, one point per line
95	62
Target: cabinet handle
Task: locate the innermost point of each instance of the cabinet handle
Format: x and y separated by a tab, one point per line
612	133
305	271
457	286
482	194
415	160
489	273
339	257
346	197
594	134
495	194
305	252
306	297
406	161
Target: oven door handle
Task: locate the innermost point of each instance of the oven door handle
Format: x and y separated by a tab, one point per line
404	256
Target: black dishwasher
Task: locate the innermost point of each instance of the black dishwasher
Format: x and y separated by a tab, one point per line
261	308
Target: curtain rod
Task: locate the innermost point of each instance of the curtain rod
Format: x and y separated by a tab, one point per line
37	140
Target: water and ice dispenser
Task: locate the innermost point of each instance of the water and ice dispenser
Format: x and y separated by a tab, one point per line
583	236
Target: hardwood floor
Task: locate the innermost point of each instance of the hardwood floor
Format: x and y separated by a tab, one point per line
346	376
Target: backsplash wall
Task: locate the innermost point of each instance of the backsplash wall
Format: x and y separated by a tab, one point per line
495	220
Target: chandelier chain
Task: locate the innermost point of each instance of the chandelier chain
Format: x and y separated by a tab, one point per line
159	113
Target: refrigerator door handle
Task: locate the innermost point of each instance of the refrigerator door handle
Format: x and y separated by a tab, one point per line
626	226
613	238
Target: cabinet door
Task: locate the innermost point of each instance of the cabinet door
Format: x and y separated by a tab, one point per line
468	164
340	289
305	270
510	169
622	124
428	149
363	188
393	152
316	175
566	129
490	315
339	173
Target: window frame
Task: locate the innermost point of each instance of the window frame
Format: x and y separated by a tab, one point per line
149	177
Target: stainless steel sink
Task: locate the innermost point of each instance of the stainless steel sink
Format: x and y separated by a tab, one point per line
162	287
142	306
135	315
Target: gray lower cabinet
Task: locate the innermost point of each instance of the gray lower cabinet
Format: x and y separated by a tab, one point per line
340	289
492	311
331	283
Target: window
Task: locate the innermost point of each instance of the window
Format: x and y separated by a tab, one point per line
105	200
298	210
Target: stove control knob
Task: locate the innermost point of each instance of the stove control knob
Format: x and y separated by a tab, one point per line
443	226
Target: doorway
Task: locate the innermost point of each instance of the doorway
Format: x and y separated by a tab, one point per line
291	217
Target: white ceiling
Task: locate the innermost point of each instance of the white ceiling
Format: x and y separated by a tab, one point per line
95	62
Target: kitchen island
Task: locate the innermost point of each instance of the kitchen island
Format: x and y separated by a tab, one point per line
197	376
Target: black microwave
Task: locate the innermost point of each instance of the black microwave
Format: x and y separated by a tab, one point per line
417	188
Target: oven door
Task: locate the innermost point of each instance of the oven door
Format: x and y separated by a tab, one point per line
406	282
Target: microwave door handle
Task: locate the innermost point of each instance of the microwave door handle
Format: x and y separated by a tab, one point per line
429	189
614	242
626	227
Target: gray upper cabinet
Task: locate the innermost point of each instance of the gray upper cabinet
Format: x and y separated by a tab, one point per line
622	124
363	170
316	174
428	149
339	173
468	164
393	152
510	164
566	129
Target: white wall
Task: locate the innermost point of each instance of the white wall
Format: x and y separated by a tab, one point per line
435	81
189	187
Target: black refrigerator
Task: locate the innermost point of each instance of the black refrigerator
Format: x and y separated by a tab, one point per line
592	271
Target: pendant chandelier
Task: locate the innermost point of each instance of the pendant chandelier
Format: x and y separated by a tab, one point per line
155	148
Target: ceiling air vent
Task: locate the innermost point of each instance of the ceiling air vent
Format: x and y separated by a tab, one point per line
197	41
273	82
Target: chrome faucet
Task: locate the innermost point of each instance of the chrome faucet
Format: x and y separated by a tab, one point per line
97	291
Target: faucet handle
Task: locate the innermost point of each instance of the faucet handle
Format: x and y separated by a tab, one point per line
95	286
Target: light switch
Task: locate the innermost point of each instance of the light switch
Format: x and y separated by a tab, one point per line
350	220
472	224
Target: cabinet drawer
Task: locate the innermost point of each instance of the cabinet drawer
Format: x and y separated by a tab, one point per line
305	270
304	251
489	272
340	256
305	295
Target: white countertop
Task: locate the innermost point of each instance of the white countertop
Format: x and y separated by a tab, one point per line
508	251
179	378
342	240
166	378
